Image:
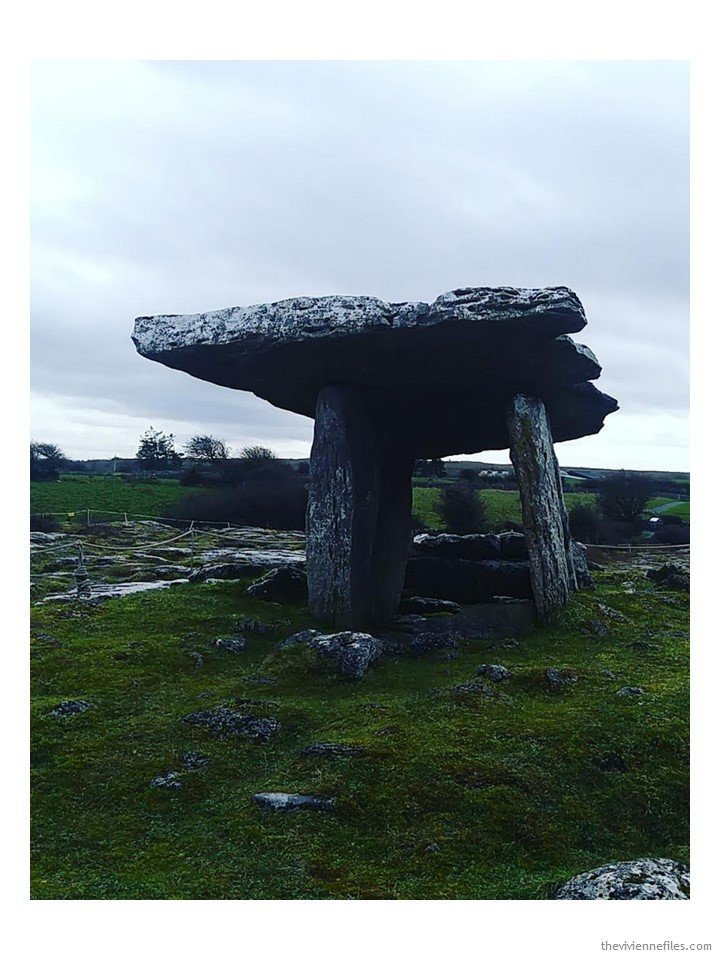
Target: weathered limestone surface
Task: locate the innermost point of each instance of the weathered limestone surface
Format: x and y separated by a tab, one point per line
391	382
444	371
646	879
543	509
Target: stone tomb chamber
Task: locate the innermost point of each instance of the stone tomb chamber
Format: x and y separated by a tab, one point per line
388	383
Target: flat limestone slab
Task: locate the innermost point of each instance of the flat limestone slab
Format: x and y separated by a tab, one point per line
444	371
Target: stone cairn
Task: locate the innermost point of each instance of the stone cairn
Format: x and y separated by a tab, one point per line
479	369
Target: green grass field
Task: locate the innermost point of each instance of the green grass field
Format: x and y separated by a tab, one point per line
503	506
76	493
664	506
457	797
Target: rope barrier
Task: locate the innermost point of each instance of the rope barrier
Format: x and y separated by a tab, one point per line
638	546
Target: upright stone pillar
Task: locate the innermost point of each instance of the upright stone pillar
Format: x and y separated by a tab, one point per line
543	508
359	514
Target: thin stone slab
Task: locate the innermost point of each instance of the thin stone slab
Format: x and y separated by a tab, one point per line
445	371
543	508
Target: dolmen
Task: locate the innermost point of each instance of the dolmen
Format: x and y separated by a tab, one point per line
480	368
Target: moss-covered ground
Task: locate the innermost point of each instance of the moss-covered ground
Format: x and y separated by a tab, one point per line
457	796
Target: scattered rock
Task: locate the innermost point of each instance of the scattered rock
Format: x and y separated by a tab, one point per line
494	671
196	658
226	722
559	678
671	577
226	571
232	644
281	585
249	625
47	640
418	645
475	686
407	623
643	646
194	761
646	879
609	674
289	802
428	605
432	848
167	781
505	644
631	692
169	571
599	628
610	612
70	708
352	652
332	750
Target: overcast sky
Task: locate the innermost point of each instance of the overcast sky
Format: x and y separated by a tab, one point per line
178	187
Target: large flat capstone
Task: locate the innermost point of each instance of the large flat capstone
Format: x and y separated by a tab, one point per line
444	371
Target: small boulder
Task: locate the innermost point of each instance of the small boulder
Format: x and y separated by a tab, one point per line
226	722
170	572
167	781
671	577
474	687
232	644
289	802
252	626
71	708
282	585
631	692
194	761
558	678
418	645
645	879
225	571
494	671
353	653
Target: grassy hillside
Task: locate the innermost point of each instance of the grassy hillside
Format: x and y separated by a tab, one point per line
76	493
457	796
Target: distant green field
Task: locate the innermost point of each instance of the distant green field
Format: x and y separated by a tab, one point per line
675	508
73	493
503	506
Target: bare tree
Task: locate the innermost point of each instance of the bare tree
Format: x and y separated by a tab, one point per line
206	448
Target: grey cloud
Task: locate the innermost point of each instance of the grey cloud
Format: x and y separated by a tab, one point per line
177	187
